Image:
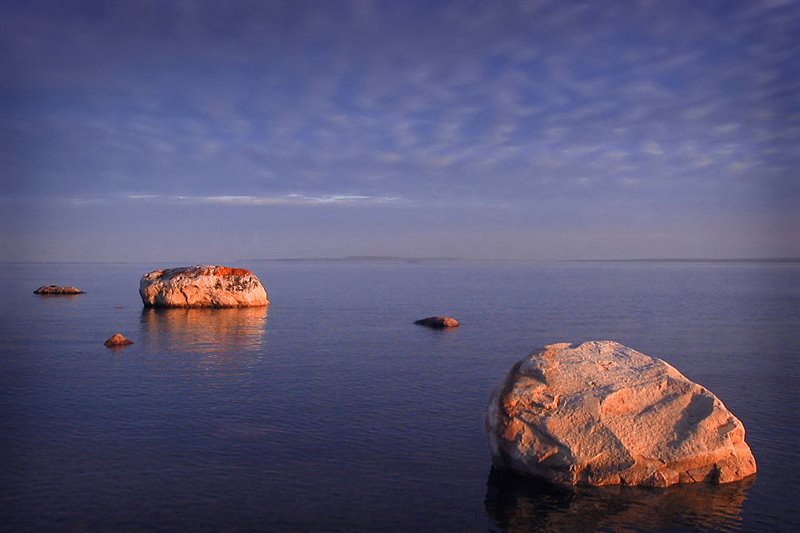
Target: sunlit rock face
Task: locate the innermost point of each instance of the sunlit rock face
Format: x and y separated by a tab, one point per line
604	414
202	286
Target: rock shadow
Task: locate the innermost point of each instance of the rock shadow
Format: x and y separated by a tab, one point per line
699	408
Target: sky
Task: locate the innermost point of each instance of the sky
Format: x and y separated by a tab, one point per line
531	130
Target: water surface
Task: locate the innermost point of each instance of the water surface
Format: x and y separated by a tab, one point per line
333	411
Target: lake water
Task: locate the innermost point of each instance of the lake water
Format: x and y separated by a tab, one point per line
333	411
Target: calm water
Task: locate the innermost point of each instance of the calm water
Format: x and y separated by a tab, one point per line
332	411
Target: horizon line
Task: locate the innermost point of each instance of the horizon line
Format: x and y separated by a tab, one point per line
389	258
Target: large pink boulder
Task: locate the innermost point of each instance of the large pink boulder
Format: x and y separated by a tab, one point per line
604	414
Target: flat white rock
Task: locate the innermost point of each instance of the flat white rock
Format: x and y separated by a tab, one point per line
604	414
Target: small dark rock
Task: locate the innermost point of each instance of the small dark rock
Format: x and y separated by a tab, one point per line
438	322
57	290
117	339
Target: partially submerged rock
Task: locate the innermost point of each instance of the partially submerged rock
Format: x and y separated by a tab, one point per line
57	290
202	286
438	322
604	414
118	339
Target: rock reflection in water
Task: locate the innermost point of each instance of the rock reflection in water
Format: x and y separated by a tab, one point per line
210	331
517	503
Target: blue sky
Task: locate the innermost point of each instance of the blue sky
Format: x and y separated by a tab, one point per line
217	131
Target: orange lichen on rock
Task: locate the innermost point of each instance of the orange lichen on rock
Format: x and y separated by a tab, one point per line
223	271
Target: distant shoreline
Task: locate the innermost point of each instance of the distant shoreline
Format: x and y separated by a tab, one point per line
476	260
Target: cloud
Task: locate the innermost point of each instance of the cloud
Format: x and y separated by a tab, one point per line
285	200
727	128
653	148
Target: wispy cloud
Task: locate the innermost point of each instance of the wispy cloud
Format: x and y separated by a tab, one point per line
653	148
284	200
